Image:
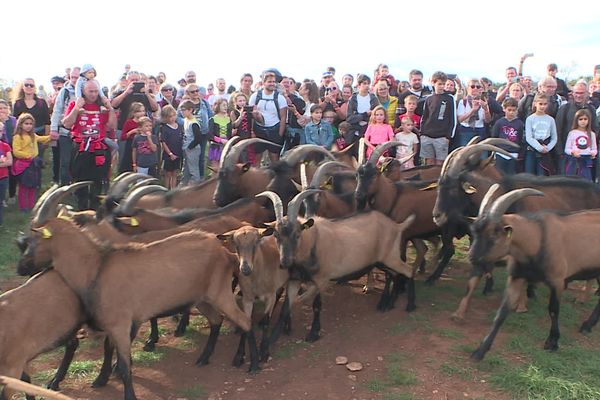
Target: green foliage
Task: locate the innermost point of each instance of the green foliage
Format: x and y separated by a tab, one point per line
192	392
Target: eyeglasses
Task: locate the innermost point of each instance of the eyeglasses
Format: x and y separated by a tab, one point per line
29	85
333	89
193	91
476	86
166	90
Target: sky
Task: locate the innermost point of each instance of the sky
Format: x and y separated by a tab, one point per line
223	38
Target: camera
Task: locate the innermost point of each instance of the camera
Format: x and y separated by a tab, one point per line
137	86
249	109
451	76
327	90
515	79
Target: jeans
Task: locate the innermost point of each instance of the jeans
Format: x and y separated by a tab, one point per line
65	145
532	163
464	135
191	174
202	156
3	187
508	167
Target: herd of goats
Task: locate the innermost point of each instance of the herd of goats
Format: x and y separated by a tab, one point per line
311	219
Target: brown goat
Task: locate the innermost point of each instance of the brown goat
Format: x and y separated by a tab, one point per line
540	247
118	285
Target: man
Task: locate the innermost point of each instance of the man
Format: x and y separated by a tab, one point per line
270	111
415	80
89	122
296	104
58	132
162	78
326	79
562	88
221	92
246	82
548	87
57	83
201	111
566	115
136	91
511	77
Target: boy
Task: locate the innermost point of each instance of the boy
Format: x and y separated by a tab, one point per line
410	105
438	122
510	128
541	137
145	149
192	137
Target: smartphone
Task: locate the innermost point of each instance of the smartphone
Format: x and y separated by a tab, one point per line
137	86
451	76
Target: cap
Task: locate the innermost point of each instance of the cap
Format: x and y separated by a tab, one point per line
86	68
327	74
57	79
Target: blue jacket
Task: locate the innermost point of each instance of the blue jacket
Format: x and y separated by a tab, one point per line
321	134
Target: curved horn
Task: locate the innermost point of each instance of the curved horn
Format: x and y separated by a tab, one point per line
502	203
406	158
277	204
474	140
500	142
43	198
296	202
233	156
143	182
128	205
49	206
449	158
324	168
463	156
118	190
380	149
361	151
121	176
227	148
488	198
297	154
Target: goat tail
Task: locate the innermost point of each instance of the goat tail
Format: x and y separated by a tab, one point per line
407	222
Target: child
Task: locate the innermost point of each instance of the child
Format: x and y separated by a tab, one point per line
26	164
580	148
318	131
130	128
510	128
5	162
219	128
378	131
438	122
410	140
171	138
241	123
541	137
145	150
339	141
192	136
410	105
87	73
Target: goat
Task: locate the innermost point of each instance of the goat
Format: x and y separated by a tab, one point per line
260	277
465	179
540	247
118	284
321	250
392	169
331	203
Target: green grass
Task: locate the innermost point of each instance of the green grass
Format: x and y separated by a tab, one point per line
148	357
84	369
192	392
397	374
288	349
399	396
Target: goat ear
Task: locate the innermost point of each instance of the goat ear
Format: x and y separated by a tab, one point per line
246	167
131	221
309	223
432	186
508	230
45	232
225	237
471	219
297	185
468	188
270	224
266	231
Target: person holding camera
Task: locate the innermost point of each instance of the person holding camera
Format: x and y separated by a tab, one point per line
511	77
473	113
134	93
294	132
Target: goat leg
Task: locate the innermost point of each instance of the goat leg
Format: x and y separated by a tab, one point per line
106	368
215	329
553	309
446	253
26	378
264	343
254	368
463	306
489	283
531	291
153	338
70	348
284	316
587	326
514	287
385	295
238	359
313	334
410	305
184	321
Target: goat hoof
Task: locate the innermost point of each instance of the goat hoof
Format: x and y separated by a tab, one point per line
551	345
478	355
411	307
431	280
264	356
238	361
457	318
149	346
312	337
179	332
201	362
100	381
287	330
53	385
585	328
253	370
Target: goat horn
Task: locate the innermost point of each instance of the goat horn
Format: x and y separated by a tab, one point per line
474	140
277	204
448	159
49	206
406	158
502	203
128	205
380	149
227	148
487	199
322	170
298	153
233	155
118	190
43	198
143	182
121	176
296	202
500	142
344	150
464	154
361	151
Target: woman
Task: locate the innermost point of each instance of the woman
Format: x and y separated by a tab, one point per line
168	96
309	91
27	101
473	113
516	91
332	100
389	103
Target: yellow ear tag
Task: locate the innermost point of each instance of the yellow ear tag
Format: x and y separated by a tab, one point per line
134	222
46	234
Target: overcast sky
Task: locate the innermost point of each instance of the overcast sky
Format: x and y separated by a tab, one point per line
222	38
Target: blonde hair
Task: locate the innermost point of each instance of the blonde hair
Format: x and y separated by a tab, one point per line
378	108
19	127
166	112
135	107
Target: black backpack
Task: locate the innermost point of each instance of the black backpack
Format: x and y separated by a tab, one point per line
259	97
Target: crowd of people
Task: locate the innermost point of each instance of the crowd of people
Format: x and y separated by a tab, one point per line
177	132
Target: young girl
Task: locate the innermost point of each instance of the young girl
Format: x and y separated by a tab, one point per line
240	122
171	138
580	148
27	165
317	131
378	130
411	143
541	137
130	128
219	128
145	150
5	162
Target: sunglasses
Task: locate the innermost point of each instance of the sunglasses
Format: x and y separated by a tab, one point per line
29	85
476	86
193	91
167	90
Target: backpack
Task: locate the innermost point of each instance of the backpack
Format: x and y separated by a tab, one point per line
259	97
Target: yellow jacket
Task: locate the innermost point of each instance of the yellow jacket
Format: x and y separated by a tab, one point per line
391	110
24	147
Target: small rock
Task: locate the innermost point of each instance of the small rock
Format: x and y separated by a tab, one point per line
482	381
354	366
240	389
379	358
466	394
299	341
341	360
435	391
352	377
247	380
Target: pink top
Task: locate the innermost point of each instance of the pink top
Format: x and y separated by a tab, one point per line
377	134
579	140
